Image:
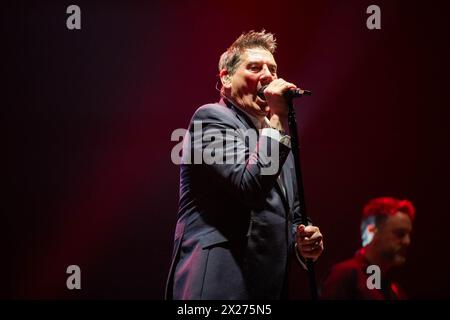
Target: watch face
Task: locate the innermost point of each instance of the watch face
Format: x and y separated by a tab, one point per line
286	140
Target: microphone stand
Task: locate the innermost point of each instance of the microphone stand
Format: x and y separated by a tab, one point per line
292	121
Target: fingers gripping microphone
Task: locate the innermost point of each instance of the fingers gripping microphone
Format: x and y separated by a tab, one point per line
290	94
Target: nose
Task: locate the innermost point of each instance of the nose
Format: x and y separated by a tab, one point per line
266	76
406	240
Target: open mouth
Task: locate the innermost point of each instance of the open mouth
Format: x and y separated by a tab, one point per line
261	101
262	104
401	252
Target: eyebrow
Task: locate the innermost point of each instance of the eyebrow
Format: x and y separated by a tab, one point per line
258	62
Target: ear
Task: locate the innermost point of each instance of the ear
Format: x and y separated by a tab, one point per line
372	228
368	234
225	78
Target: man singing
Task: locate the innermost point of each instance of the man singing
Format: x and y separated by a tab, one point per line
238	221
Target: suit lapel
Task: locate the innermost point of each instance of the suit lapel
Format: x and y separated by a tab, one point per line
242	117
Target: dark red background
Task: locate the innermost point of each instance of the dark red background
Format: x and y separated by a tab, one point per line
89	114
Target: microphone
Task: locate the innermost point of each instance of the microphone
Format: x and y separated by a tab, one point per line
290	94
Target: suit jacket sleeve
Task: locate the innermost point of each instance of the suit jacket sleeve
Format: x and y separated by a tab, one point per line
249	170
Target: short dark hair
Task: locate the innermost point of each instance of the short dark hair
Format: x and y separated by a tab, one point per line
383	207
230	59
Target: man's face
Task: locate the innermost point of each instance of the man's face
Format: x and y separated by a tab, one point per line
256	69
393	238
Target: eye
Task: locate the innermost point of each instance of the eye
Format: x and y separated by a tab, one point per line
254	68
400	233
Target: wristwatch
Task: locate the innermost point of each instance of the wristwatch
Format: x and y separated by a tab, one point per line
285	139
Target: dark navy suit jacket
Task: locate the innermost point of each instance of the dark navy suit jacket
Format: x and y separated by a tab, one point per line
235	232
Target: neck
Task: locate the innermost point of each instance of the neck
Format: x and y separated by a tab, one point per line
375	257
